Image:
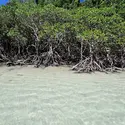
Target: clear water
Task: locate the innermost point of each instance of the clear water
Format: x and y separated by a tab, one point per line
57	96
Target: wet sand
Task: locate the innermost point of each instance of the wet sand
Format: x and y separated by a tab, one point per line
57	96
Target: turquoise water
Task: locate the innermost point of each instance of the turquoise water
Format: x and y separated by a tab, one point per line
57	96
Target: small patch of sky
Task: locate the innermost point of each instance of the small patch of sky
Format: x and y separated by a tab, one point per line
82	1
3	2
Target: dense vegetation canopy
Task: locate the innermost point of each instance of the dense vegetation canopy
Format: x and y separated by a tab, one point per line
90	36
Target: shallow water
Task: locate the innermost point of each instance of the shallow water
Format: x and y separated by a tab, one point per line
57	96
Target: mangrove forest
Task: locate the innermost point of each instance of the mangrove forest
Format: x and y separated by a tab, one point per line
89	36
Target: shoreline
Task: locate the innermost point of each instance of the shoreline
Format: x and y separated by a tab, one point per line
61	68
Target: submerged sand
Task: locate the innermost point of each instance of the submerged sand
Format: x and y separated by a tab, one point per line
57	96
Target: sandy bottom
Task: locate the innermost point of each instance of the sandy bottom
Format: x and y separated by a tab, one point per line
57	96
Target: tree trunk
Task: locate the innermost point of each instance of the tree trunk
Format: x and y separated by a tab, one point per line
81	51
69	53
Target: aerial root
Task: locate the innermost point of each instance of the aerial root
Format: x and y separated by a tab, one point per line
88	65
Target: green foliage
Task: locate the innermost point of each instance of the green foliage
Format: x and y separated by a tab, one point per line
102	3
29	23
51	20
